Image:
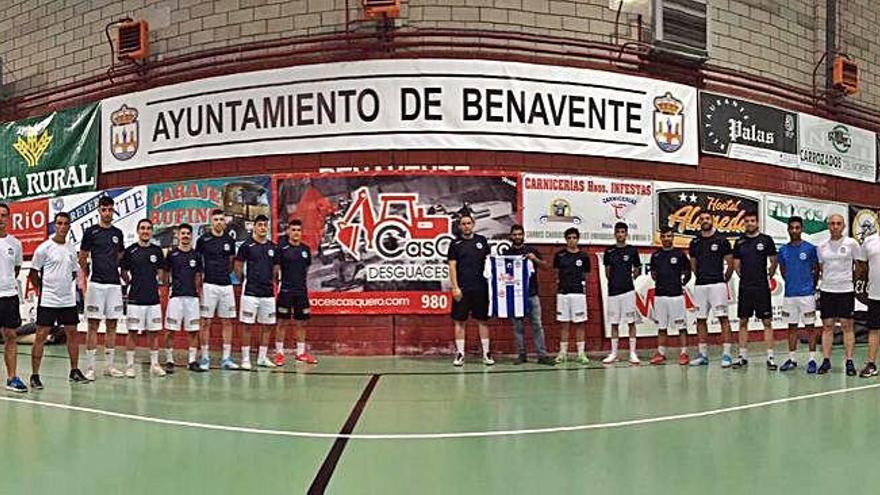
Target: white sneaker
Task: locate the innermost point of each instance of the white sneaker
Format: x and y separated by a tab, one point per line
487	359
156	370
90	374
130	372
264	363
246	365
459	359
610	359
111	371
634	359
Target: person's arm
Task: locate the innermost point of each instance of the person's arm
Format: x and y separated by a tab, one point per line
124	268
606	260
653	266
686	269
636	266
780	263
237	262
771	272
537	261
36	282
452	260
84	263
730	267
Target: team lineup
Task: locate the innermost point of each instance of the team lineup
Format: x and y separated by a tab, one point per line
274	296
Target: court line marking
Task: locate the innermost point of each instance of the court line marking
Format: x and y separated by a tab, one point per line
434	436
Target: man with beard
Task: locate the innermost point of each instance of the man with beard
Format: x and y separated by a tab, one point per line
518	248
671	271
470	290
799	265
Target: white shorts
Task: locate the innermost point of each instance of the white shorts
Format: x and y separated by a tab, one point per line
710	299
670	314
141	318
796	308
622	310
219	300
103	301
257	310
182	312
571	307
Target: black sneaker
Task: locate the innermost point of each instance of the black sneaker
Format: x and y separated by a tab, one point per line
194	367
77	376
169	367
869	370
521	359
825	367
771	365
740	363
546	361
36	384
850	368
788	365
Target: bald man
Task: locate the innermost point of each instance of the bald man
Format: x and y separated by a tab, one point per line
839	257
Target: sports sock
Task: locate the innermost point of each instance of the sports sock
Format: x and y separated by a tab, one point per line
262	354
770	354
192	355
154	358
726	349
563	347
227	351
661	349
704	349
129	358
581	347
793	356
301	347
90	359
246	353
812	355
632	346
459	346
205	352
744	352
169	355
279	347
485	343
684	350
110	356
614	345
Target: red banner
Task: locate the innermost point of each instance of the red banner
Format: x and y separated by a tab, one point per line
396	302
29	223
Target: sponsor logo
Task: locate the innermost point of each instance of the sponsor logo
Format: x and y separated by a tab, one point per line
226	247
668	123
192	263
760	246
620	205
840	138
271	252
681	208
815	216
803	256
864	224
305	254
578	263
115	240
713	247
33	145
560	211
153	258
673	261
124	130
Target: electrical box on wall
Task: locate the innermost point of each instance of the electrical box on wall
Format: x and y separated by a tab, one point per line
846	75
381	8
133	40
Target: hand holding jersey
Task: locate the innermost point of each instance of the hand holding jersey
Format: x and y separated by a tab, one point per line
518	248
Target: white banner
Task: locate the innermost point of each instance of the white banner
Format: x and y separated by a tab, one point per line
403	104
778	209
130	207
829	147
553	203
645	302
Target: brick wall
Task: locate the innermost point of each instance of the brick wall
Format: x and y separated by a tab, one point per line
50	42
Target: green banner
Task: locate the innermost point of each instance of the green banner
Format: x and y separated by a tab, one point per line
50	155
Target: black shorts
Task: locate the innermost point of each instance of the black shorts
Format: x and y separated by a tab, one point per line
10	314
474	303
292	306
754	301
837	304
49	317
873	314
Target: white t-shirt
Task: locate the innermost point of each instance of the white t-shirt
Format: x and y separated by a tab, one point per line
58	265
871	254
10	258
836	258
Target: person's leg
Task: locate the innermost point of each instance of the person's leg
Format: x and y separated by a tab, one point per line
537	327
792	335
192	341
110	344
10	350
153	341
615	342
265	339
37	351
828	325
743	337
702	338
484	340
246	345
579	336
518	337
727	338
633	357
281	336
72	346
91	344
873	344
130	350
167	339
458	329
849	338
660	356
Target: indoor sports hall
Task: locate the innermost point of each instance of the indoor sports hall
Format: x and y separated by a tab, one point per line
434	246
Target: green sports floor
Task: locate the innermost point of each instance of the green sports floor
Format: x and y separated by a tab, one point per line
421	426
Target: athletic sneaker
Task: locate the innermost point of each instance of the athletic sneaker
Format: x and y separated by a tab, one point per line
36	383
658	358
112	372
684	359
130	372
308	358
582	359
157	370
546	361
790	365
15	384
771	364
204	364
727	361
90	374
229	364
246	365
194	366
265	363
700	360
825	367
741	362
77	376
610	359
521	359
278	359
811	367
850	368
562	357
169	367
634	359
459	359
869	370
487	359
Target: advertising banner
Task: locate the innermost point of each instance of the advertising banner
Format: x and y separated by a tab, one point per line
130	207
403	104
28	223
778	209
645	301
380	242
829	147
240	198
50	155
862	221
680	205
744	130
553	203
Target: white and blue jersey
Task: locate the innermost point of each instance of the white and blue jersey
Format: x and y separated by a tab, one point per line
799	262
508	278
